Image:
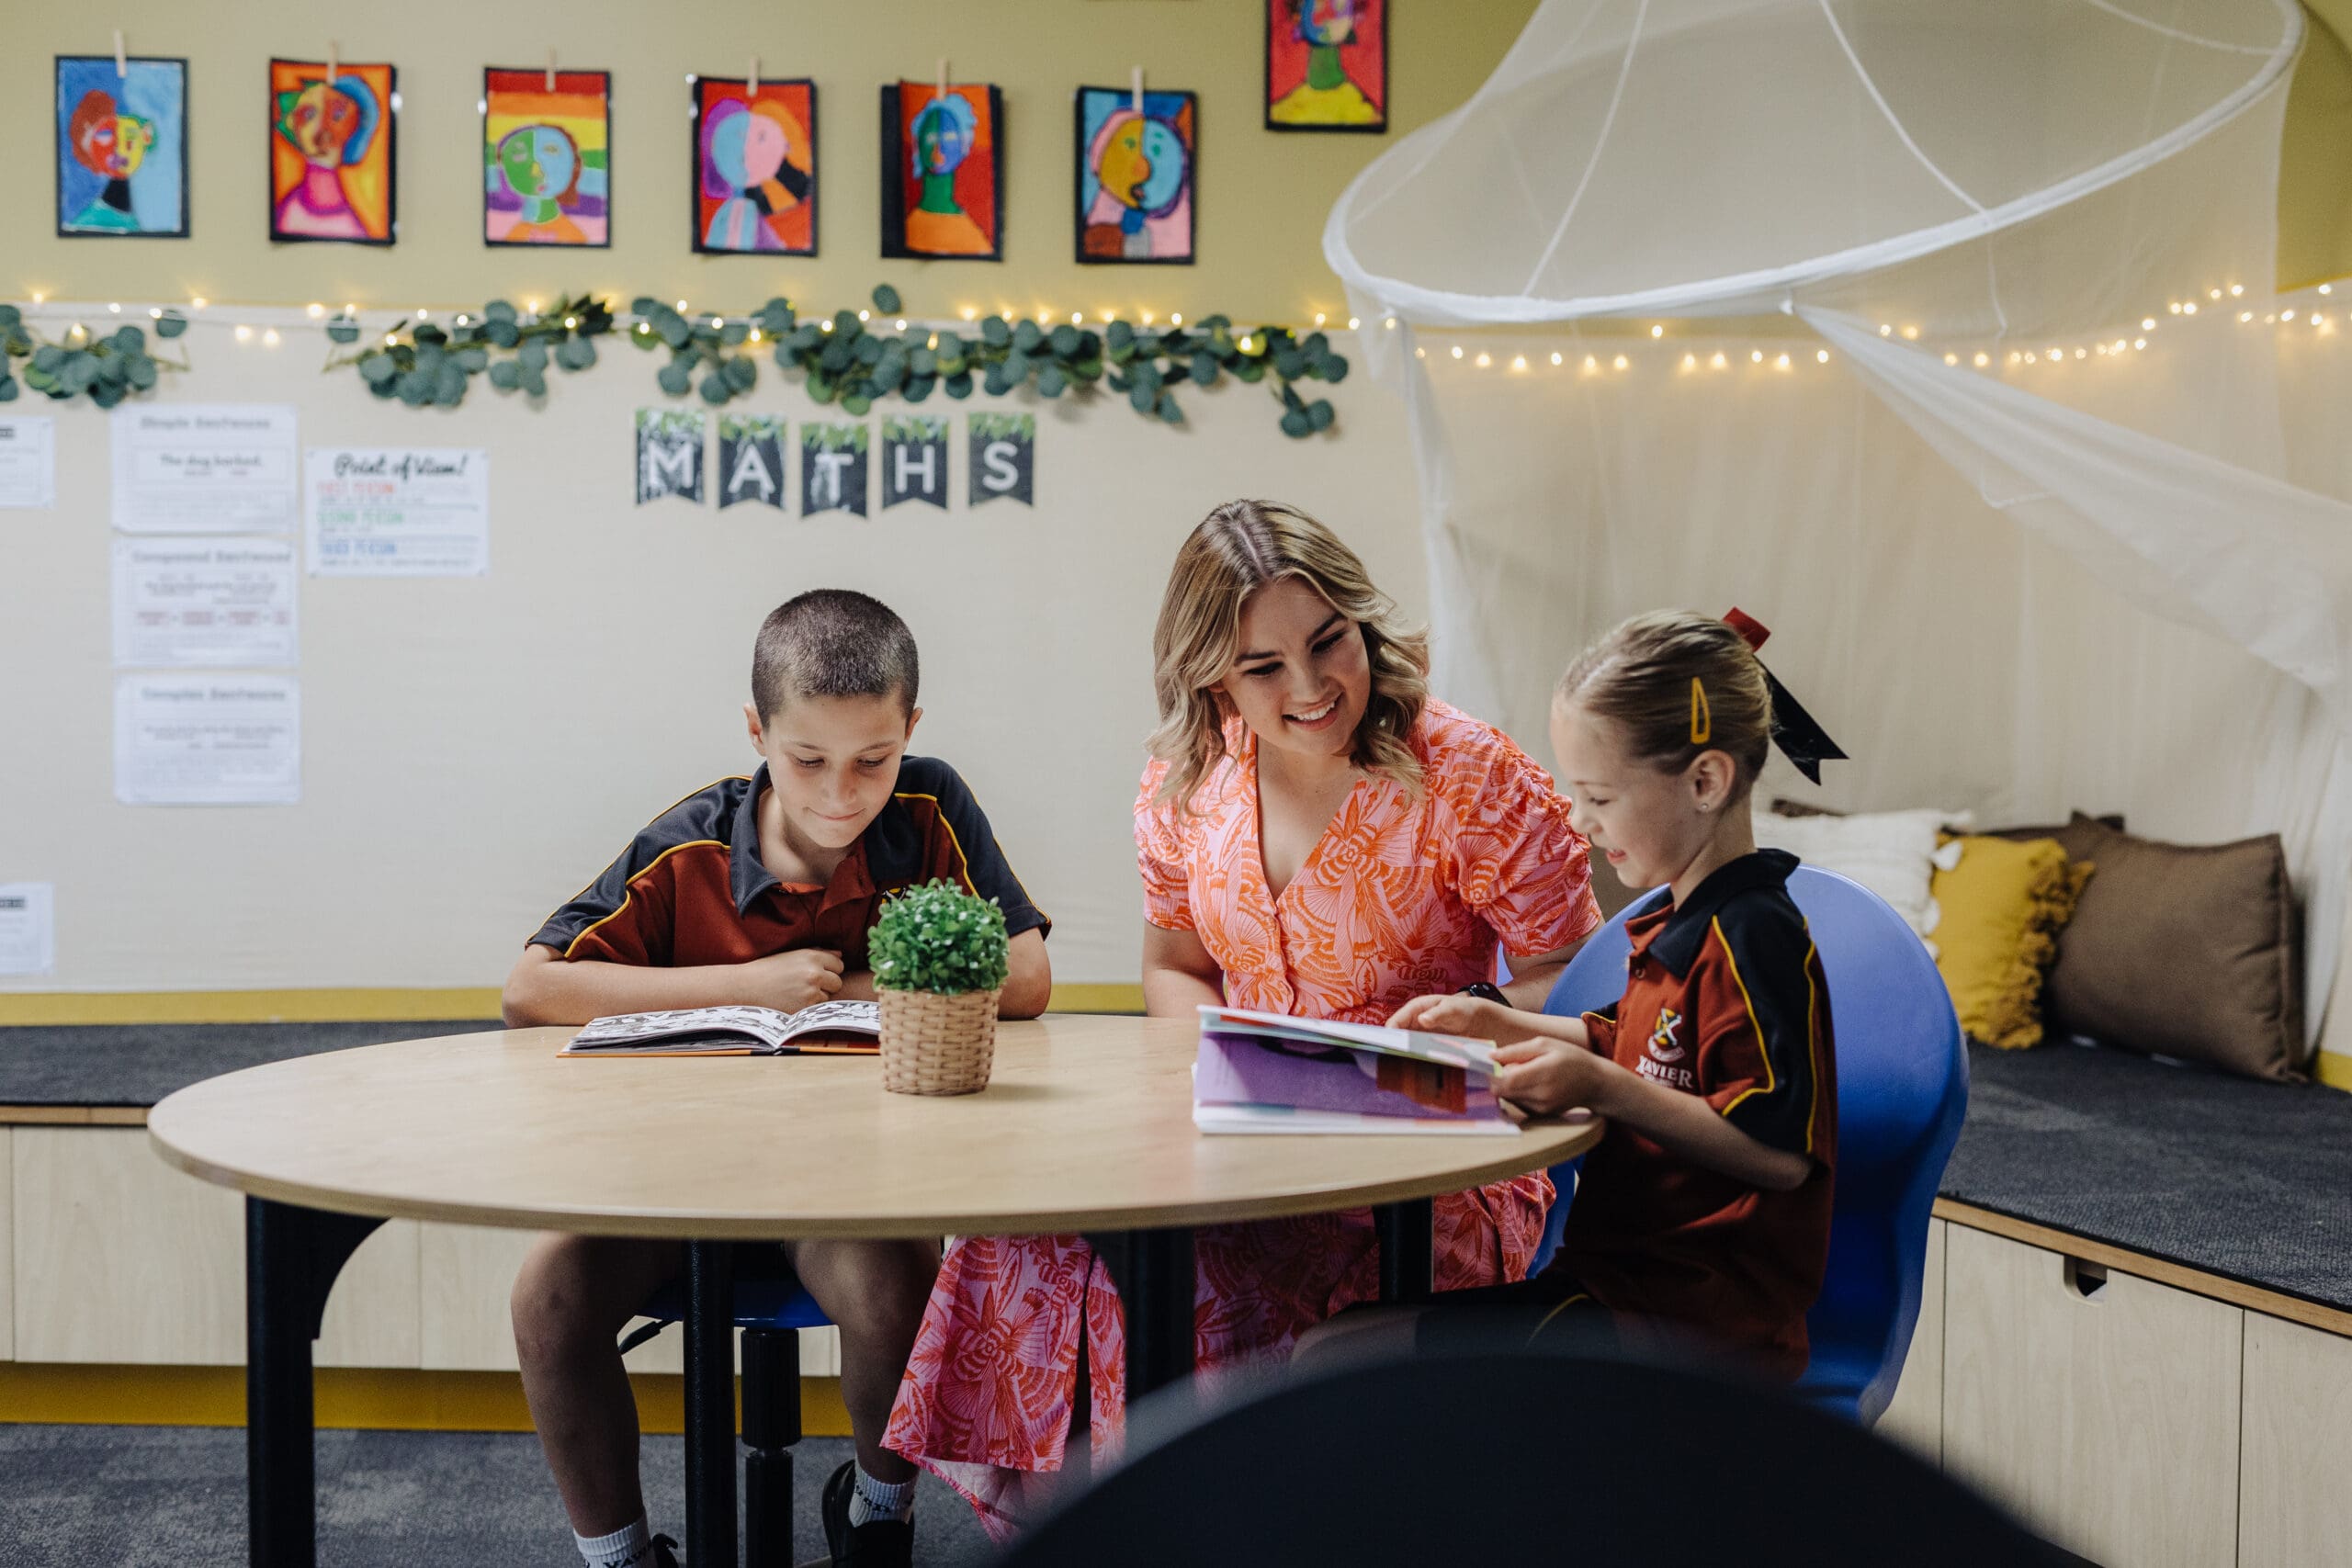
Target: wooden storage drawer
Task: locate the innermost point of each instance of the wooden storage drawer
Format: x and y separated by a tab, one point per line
120	1258
2294	1509
2103	1410
1914	1418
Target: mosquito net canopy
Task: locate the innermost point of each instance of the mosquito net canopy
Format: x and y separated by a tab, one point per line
1942	338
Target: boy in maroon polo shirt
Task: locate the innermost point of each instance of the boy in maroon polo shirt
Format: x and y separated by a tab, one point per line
762	890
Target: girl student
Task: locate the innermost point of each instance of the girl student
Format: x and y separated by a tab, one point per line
1703	1214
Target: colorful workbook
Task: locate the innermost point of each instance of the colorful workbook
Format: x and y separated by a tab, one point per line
1262	1072
827	1028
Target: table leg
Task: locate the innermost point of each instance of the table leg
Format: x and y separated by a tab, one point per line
1153	1271
710	1403
292	1256
1407	1249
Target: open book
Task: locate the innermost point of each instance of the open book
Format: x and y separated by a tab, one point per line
1262	1072
827	1028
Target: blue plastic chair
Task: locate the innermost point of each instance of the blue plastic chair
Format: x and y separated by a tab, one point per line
770	1309
1902	1091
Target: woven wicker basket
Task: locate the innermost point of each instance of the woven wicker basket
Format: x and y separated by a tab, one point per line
937	1044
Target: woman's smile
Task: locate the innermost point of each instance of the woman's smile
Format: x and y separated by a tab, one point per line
1316	718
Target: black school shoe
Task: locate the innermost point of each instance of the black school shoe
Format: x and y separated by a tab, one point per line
666	1552
876	1543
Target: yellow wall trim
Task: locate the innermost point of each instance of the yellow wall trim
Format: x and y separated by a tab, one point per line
2333	1069
377	1399
362	1005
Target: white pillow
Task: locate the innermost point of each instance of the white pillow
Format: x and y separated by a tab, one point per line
1893	853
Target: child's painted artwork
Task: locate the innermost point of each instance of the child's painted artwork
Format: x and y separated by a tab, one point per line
121	146
1326	65
547	158
1135	173
669	455
914	461
1005	458
330	151
755	167
942	172
751	460
833	469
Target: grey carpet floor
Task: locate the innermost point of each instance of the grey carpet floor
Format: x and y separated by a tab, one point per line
175	1498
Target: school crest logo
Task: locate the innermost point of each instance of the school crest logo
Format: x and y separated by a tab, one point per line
1662	1044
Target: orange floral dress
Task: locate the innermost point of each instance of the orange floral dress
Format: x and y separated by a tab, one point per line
1400	898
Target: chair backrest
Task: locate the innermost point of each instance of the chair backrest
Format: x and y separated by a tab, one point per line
1902	1091
1521	1458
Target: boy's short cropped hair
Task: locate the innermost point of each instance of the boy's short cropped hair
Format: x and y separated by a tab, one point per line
833	642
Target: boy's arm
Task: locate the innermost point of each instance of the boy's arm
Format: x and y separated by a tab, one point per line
1029	977
1482	1020
1546	1078
544	987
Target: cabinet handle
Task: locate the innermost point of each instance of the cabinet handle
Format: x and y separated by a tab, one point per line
2085	1278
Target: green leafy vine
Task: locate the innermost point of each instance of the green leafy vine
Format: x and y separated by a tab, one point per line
425	363
108	369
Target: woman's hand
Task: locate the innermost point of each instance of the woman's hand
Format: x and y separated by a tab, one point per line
1473	1016
1544	1077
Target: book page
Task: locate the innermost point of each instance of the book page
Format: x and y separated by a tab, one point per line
856	1018
765	1025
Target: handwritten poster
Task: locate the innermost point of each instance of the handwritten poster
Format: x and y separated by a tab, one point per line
398	511
204	603
28	461
218	741
205	469
28	927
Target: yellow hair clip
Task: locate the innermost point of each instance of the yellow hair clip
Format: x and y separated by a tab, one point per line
1703	719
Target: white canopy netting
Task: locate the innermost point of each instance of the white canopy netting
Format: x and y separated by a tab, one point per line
1786	303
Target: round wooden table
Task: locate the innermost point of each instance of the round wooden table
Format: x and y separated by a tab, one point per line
1085	1127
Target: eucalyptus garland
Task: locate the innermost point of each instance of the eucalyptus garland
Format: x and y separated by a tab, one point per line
109	368
427	363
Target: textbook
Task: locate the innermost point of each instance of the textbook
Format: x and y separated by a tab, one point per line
825	1028
1262	1072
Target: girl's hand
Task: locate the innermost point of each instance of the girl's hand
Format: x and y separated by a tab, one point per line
1473	1016
1544	1077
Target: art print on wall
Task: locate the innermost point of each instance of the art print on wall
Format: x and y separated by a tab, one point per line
914	461
1326	65
1005	458
121	146
833	469
942	172
755	167
1135	175
331	151
669	455
751	460
547	158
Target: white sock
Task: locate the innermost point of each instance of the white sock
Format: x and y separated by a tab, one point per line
630	1547
880	1500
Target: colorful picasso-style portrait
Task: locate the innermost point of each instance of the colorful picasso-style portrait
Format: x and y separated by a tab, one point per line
121	146
331	152
1135	175
756	168
1326	65
547	158
942	172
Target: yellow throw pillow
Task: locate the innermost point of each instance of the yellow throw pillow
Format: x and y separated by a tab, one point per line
2004	903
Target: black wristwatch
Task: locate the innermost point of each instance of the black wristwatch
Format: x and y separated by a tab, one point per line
1484	990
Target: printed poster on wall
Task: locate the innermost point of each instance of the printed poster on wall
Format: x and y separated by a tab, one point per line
833	469
1003	458
204	603
28	927
914	461
669	455
751	460
205	469
398	511
217	740
28	461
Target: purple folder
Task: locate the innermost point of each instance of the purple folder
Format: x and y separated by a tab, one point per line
1242	1069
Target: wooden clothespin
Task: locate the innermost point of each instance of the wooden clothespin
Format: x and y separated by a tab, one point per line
550	70
121	61
941	87
752	81
1137	83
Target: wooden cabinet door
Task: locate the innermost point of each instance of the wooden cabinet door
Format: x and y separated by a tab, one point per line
1914	1417
2104	1411
2294	1509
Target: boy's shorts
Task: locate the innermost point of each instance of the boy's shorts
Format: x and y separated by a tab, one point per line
1552	1313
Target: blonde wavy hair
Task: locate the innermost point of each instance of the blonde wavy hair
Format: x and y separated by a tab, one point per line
1238	549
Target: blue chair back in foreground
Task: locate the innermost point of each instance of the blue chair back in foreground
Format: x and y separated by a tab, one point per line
1901	1090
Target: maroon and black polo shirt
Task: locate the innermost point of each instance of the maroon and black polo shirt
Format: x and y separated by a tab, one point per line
1724	998
691	887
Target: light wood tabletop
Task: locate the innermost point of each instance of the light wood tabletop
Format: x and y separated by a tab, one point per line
1086	1125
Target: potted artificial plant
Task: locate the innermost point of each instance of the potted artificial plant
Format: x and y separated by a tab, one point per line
938	954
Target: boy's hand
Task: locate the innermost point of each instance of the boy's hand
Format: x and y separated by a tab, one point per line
1544	1077
1473	1016
790	981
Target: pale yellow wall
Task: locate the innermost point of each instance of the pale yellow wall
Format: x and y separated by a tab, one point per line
1263	196
2315	153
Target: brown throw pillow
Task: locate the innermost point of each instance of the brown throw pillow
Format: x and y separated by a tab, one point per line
2185	950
